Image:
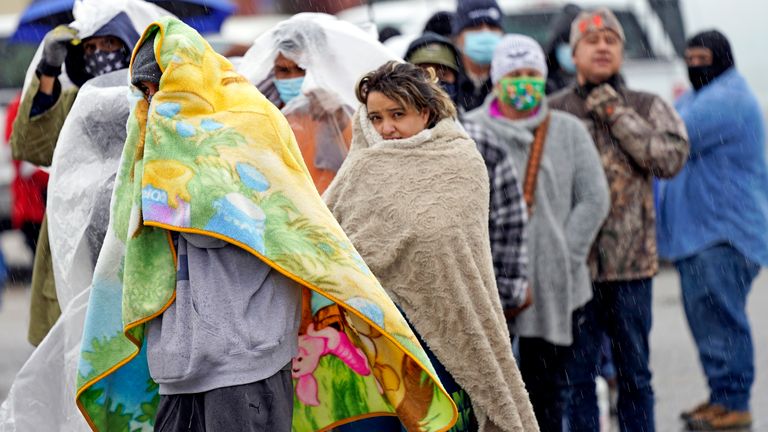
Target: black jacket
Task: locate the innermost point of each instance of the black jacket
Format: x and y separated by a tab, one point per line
471	97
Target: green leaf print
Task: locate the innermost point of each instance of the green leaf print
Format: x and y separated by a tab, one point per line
89	399
122	202
188	150
105	353
215	179
190	53
343	392
184	45
117	419
437	414
297	244
149	409
465	411
111	419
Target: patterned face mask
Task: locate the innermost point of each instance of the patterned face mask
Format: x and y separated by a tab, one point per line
521	93
102	62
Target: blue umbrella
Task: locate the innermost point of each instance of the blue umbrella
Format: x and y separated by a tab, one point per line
41	16
205	16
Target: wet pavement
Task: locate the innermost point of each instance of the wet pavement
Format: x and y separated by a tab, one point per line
678	380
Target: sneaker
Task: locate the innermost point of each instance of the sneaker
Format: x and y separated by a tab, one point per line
701	409
726	420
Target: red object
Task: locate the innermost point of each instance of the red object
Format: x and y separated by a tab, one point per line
27	192
598	20
583	26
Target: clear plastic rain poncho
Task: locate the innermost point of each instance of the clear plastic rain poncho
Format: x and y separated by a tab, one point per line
85	162
91	15
80	187
334	54
82	177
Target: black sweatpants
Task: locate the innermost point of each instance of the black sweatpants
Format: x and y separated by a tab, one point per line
263	406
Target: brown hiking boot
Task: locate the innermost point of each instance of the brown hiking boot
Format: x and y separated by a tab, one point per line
725	420
702	409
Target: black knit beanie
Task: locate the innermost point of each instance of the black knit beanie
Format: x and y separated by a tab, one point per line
145	67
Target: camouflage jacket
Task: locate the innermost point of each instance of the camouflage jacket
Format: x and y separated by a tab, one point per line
648	140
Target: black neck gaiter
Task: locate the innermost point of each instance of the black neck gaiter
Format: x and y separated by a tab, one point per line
616	81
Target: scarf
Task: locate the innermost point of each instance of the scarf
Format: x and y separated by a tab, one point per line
212	156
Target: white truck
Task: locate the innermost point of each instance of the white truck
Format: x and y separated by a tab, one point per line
651	63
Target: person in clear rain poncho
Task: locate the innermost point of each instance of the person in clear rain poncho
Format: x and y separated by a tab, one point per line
88	141
308	66
99	41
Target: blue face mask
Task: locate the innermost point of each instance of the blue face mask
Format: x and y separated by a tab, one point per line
289	88
564	56
479	46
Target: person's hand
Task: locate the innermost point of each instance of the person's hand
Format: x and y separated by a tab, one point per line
323	103
511	313
55	49
604	102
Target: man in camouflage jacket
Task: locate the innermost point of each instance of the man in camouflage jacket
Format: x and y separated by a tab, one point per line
638	136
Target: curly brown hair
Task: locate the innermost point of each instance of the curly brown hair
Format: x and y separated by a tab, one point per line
410	86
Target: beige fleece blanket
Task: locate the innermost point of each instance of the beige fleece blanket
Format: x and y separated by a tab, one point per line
417	211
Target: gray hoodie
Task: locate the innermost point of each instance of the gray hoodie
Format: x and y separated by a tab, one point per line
571	202
235	320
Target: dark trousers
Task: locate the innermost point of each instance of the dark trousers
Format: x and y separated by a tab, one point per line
263	406
622	310
715	284
542	366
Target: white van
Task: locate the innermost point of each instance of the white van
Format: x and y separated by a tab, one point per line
651	63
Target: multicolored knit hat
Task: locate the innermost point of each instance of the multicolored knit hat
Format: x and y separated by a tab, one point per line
589	21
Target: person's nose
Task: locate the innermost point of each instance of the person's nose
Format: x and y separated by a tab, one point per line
388	128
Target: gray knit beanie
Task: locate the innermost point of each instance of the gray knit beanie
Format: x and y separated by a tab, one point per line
145	67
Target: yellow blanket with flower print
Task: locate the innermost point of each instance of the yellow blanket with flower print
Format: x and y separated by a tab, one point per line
212	156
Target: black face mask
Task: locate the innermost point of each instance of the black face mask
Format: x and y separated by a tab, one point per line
722	58
702	75
452	89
